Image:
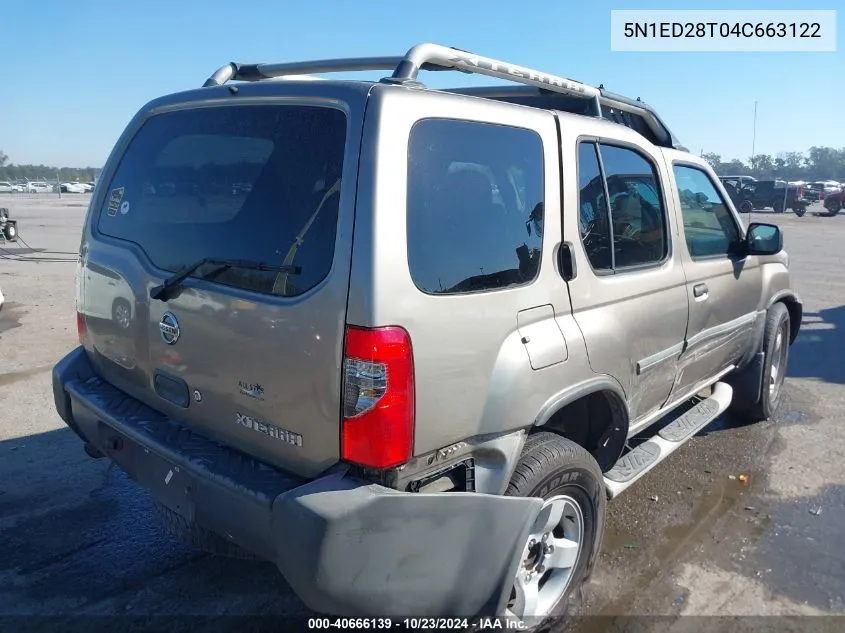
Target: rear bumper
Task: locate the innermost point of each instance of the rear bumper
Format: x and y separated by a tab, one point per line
345	546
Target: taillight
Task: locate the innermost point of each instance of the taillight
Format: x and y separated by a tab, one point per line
378	397
80	326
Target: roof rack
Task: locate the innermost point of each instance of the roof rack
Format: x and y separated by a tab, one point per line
599	102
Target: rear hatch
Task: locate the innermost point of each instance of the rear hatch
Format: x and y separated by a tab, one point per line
248	356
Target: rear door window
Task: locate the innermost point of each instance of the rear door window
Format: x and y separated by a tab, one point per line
594	218
636	209
258	183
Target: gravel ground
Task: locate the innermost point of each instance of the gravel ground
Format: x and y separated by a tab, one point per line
78	537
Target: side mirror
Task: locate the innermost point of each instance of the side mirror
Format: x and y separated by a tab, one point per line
763	239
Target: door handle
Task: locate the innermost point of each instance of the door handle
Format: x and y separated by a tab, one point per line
699	290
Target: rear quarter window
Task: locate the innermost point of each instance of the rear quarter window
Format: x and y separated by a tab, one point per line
475	206
248	182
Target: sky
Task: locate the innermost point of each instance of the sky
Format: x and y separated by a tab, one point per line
76	72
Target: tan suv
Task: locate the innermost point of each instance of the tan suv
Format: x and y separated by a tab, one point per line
395	339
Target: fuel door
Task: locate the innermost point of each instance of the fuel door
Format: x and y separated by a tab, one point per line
541	336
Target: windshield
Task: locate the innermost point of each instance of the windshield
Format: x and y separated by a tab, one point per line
236	182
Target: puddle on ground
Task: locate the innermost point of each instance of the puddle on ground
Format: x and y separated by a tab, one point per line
677	540
711	508
793	417
15	376
10	316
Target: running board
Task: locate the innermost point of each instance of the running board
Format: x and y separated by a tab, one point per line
636	463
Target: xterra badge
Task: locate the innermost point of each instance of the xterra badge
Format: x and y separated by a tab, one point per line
271	430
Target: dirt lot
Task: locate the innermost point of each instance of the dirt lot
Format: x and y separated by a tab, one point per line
77	537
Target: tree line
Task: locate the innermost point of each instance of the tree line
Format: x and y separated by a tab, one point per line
818	163
20	173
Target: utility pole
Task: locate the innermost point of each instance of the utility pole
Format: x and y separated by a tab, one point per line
754	135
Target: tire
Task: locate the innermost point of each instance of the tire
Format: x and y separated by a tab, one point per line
834	207
198	537
567	477
800	211
121	313
10	232
778	206
746	206
777	323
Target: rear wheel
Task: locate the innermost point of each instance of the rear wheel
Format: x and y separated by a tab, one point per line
834	207
799	211
561	550
778	206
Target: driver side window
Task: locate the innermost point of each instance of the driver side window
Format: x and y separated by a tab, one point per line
709	227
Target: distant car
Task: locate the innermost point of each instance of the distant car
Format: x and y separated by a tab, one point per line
826	187
110	298
6	187
776	194
241	188
737	181
834	202
73	187
814	191
38	186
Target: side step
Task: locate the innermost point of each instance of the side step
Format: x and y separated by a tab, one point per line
636	463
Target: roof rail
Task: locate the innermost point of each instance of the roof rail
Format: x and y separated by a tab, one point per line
257	72
429	56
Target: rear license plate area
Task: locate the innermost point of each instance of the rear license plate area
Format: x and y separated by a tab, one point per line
167	482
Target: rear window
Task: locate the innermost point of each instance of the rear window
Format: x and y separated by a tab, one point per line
258	183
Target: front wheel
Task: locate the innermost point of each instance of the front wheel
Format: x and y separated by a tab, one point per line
834	207
776	341
564	542
799	211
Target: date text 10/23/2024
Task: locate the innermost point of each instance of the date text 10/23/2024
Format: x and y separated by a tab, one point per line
421	624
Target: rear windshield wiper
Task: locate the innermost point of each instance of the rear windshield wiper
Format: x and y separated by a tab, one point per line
160	291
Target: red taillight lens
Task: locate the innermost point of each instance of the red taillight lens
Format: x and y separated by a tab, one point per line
80	326
378	397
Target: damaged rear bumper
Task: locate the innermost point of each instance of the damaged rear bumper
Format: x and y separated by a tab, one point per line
345	546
